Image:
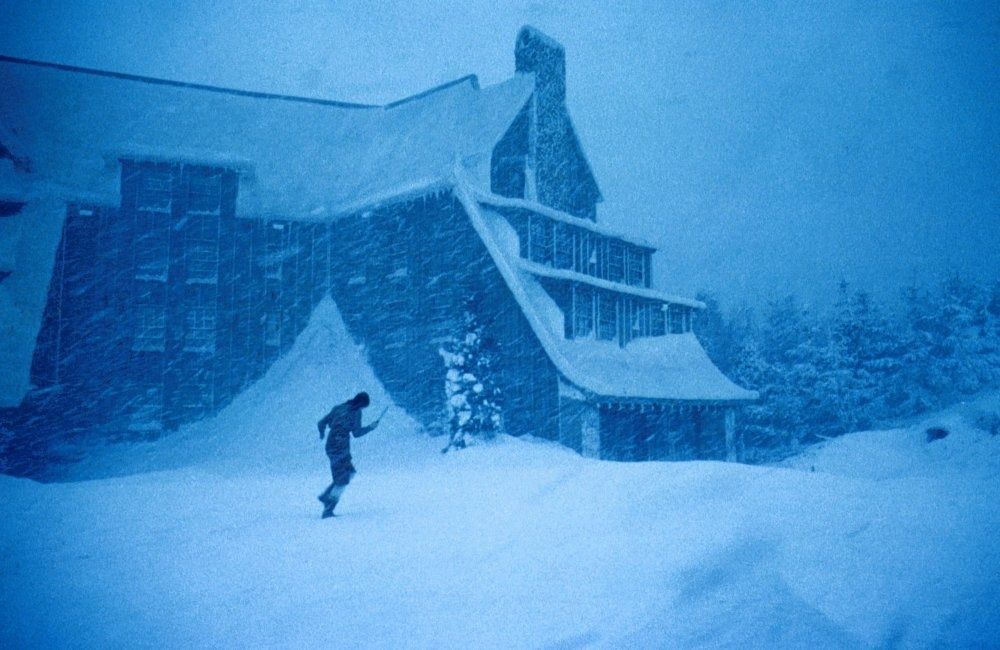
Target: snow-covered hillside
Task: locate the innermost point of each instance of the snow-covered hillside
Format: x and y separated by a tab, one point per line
877	538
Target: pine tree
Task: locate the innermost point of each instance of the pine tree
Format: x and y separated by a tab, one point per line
473	399
757	420
867	359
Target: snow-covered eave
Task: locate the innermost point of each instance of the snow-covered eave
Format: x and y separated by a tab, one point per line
324	214
574	276
194	157
557	215
597	397
564	366
465	196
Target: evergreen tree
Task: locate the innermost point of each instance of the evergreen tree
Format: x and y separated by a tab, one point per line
756	430
857	366
473	399
867	358
991	334
920	375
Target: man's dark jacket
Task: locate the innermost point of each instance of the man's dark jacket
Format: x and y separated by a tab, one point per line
344	420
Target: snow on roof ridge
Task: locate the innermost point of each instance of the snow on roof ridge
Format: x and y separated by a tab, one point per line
504	201
356	154
471	78
181	84
566	274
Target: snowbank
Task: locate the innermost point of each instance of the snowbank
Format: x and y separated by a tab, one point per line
271	426
906	452
519	543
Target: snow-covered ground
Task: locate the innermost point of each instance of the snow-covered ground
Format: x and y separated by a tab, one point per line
212	538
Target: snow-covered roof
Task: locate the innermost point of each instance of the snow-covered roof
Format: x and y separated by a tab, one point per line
558	215
299	158
670	367
67	128
543	271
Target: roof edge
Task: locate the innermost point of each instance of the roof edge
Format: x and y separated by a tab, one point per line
542	271
498	201
507	271
471	78
180	84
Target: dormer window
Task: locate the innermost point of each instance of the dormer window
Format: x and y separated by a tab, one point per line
204	191
155	188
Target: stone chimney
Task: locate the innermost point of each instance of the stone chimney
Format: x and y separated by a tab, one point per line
535	52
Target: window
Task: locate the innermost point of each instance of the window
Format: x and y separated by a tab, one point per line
564	246
600	257
639	320
583	312
586	260
154	188
657	320
616	261
607	316
201	228
677	319
199	330
276	250
202	262
204	191
150	329
634	267
541	240
152	245
395	260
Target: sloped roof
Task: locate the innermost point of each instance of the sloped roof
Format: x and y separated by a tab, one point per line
671	367
300	157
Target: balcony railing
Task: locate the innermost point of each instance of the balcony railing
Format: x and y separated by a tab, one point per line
561	241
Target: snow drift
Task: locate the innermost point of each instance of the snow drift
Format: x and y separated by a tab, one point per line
875	539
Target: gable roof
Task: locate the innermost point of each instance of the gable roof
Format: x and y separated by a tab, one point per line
64	130
671	367
299	157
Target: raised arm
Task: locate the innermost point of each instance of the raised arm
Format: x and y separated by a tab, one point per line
363	430
360	431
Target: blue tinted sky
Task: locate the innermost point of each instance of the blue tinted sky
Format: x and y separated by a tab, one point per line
768	149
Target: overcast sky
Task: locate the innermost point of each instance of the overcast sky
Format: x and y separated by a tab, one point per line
768	150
